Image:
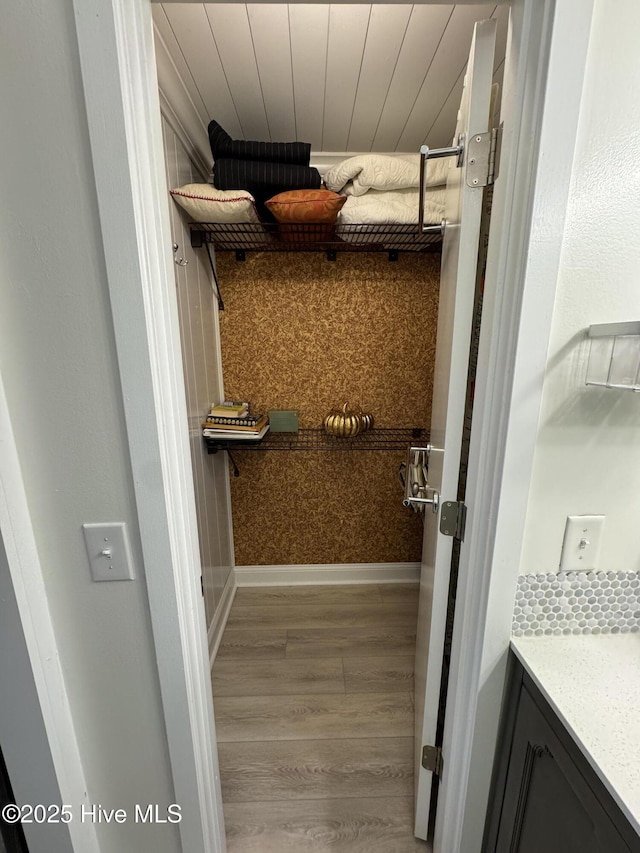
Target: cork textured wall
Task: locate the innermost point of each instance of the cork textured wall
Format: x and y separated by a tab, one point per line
300	332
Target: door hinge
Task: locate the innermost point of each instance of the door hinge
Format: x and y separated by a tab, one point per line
453	518
432	759
202	585
483	157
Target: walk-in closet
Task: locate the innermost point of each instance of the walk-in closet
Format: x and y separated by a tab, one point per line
311	552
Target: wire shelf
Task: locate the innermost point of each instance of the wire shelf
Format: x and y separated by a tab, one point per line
318	440
313	237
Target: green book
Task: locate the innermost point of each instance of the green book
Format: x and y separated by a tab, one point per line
283	420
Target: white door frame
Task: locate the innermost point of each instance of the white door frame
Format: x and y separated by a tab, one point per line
541	105
23	735
456	316
53	773
117	62
117	59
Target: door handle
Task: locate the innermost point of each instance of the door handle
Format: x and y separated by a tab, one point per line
427	153
417	491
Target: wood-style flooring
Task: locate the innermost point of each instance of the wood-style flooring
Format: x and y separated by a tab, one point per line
313	694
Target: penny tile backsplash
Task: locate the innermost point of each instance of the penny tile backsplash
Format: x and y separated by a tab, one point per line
577	603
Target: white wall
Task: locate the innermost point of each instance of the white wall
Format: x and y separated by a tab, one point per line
23	738
588	447
201	357
58	363
176	94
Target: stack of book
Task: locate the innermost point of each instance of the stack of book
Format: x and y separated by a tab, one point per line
233	421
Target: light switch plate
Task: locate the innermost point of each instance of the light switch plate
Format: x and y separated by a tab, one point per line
109	551
582	541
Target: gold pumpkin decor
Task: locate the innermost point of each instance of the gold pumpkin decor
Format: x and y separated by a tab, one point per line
367	421
343	422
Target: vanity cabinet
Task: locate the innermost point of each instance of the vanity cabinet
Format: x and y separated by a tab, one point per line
546	796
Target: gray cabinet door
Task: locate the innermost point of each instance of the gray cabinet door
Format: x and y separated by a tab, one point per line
548	804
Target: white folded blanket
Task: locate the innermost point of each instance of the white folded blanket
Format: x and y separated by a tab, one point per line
383	172
398	207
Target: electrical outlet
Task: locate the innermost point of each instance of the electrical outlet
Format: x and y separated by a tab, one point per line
582	541
109	551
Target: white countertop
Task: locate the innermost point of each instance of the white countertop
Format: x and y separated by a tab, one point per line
593	684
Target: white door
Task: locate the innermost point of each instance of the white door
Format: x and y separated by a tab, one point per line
457	287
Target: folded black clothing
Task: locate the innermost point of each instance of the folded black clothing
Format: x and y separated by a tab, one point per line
264	180
223	146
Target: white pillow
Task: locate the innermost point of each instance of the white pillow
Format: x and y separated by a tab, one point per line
204	203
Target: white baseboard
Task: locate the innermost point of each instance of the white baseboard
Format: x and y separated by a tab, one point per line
327	573
216	629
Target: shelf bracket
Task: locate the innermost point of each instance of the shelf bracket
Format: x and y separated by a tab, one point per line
236	470
215	279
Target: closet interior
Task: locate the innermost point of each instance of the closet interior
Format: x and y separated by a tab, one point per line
309	330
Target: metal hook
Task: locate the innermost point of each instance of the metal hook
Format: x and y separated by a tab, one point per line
179	261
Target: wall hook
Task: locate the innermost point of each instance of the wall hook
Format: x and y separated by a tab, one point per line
179	261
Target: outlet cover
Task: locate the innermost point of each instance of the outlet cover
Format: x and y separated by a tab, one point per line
109	551
581	545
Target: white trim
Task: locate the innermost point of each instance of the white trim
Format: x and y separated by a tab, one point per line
31	597
115	40
219	621
519	296
453	348
327	573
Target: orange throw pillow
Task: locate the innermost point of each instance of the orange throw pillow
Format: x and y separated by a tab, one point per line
306	206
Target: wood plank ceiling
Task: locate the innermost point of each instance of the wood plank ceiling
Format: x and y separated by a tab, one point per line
345	77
